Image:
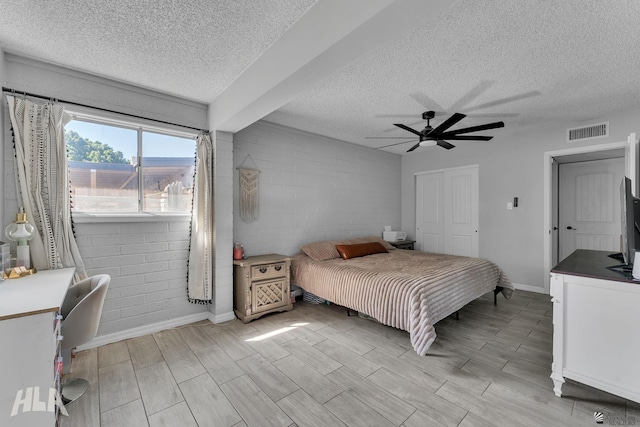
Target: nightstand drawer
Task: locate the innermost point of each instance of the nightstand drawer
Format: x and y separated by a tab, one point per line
268	271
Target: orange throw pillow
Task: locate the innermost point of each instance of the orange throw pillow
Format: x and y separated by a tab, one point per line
360	249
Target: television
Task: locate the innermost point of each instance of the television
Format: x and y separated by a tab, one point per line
630	213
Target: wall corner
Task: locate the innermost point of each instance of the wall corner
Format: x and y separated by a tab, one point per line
223	223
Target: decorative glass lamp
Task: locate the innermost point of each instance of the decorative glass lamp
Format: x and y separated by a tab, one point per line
21	231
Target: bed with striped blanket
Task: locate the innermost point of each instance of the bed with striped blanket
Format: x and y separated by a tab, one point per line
409	290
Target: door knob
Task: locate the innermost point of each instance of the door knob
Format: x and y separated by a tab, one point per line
555	228
570	228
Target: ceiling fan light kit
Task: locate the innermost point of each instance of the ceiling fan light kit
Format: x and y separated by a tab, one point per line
430	136
428	144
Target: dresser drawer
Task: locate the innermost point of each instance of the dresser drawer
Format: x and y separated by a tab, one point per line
267	271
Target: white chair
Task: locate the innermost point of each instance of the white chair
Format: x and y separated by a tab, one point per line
81	312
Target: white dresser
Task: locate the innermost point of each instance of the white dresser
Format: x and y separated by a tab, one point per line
30	347
596	325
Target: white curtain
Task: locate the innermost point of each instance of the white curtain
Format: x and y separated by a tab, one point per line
200	270
42	179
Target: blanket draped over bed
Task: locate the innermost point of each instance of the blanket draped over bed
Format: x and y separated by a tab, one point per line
409	290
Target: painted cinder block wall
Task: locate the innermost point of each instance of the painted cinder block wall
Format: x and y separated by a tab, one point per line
146	259
147	263
313	188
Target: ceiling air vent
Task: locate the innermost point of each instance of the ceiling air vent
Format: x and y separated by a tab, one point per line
599	130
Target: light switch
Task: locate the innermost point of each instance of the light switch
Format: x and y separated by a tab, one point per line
509	205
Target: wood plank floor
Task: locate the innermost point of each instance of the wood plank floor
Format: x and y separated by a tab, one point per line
315	366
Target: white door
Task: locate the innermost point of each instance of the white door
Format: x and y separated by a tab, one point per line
461	212
429	212
589	206
447	211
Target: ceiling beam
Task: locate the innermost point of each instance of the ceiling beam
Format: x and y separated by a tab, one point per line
332	34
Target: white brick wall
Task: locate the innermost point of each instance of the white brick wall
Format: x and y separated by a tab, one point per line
148	267
313	188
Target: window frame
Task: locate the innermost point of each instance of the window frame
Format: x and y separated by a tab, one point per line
139	125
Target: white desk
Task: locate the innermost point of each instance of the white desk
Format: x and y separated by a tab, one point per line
29	344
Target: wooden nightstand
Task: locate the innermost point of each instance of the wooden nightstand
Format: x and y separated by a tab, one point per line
261	286
403	244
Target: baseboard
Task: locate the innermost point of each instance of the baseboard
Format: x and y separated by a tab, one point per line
143	330
536	289
220	318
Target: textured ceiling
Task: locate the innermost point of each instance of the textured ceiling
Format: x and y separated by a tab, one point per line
529	63
193	49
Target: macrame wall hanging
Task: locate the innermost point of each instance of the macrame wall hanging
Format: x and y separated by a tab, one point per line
249	180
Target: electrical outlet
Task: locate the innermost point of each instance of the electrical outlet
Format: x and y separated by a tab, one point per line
509	205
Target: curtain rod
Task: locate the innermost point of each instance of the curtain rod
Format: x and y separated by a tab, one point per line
33	95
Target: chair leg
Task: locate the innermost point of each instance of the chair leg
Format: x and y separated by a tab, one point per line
73	389
496	291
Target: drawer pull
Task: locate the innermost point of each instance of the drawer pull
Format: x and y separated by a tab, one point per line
278	267
263	269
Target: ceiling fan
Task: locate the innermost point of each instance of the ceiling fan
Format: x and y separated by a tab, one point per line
436	136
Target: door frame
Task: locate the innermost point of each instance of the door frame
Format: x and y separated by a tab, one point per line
565	201
549	191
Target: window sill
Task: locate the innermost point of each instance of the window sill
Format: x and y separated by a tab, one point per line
88	218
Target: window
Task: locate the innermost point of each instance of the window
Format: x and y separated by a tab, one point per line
123	168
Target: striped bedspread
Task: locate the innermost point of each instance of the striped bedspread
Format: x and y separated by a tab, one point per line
409	290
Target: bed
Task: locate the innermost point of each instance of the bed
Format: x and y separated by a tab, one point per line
409	290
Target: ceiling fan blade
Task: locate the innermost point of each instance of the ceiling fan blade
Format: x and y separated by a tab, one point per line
413	148
401	126
475	92
428	103
387	130
492	115
397	143
445	144
455	118
504	100
467	137
392	116
385	137
474	128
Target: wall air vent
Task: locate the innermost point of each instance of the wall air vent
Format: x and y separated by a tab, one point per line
599	130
